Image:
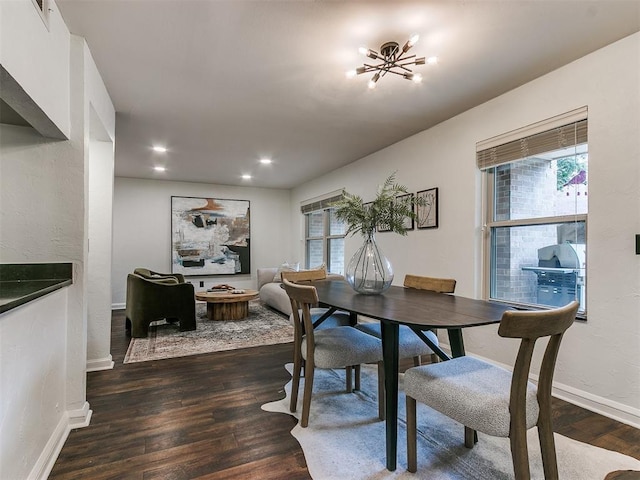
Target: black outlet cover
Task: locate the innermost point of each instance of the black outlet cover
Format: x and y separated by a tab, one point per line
637	243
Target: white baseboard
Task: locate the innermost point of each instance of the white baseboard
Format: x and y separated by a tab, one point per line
47	459
608	408
81	417
100	364
594	403
118	306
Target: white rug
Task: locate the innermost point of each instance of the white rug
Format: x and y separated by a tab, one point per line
345	440
263	326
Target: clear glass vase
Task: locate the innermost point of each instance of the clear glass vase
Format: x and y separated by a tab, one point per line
369	271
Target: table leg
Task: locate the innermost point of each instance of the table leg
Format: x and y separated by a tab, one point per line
455	342
390	355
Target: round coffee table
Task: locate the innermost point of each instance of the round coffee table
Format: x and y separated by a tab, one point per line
227	306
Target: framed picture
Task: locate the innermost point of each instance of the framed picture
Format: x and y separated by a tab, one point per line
381	227
427	213
408	198
210	236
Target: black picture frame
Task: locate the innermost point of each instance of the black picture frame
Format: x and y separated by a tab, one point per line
427	215
409	223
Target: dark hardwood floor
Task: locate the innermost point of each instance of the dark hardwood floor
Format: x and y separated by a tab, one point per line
200	417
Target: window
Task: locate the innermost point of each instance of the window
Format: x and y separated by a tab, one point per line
324	236
536	215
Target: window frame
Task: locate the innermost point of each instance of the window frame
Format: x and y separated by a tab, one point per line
325	238
489	225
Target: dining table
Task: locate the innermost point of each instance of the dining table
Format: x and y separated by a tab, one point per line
419	309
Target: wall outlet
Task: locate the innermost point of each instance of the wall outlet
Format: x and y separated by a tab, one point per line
201	283
637	243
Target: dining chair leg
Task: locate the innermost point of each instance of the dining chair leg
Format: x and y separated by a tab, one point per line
349	379
417	361
547	445
434	358
412	440
308	389
357	377
381	395
295	383
520	454
470	437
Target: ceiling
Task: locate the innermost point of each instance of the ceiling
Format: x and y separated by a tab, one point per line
223	83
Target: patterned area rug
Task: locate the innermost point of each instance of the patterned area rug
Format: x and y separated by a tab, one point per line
345	440
263	326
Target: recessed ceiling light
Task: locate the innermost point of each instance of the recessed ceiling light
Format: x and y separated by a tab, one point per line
160	149
266	161
246	176
160	169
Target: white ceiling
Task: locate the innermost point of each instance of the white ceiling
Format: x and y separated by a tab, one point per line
223	83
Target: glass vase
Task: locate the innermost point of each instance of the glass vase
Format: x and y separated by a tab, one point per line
369	271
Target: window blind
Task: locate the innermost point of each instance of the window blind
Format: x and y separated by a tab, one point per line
558	137
320	204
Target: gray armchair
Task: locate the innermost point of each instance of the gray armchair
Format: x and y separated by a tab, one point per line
156	298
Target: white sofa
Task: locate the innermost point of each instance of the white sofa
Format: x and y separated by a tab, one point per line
272	293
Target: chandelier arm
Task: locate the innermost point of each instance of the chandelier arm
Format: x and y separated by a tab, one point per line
395	73
404	67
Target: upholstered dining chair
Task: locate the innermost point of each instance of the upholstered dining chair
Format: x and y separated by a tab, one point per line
409	344
492	400
337	347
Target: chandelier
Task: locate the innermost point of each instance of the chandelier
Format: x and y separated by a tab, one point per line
392	59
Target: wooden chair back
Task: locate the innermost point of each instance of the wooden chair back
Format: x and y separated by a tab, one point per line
530	326
303	298
439	285
305	275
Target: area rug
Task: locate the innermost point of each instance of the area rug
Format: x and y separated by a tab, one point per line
263	326
345	440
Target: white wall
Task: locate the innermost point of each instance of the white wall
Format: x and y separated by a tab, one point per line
99	136
99	259
44	191
142	228
599	363
32	382
44	72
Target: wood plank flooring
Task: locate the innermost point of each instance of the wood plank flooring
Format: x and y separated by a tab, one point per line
199	417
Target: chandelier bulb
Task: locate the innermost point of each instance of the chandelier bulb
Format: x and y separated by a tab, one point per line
417	78
351	74
432	60
413	40
363	50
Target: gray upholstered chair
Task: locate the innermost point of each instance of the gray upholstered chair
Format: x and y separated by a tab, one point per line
409	344
337	347
152	299
492	400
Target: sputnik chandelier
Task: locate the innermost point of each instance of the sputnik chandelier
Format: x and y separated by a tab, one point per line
393	60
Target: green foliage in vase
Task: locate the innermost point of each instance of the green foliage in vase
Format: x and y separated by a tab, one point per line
390	209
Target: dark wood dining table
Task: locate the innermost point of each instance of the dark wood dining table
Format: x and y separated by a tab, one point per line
420	310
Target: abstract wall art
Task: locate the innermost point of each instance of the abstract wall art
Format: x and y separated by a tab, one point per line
210	236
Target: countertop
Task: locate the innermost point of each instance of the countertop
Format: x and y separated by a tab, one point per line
25	282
